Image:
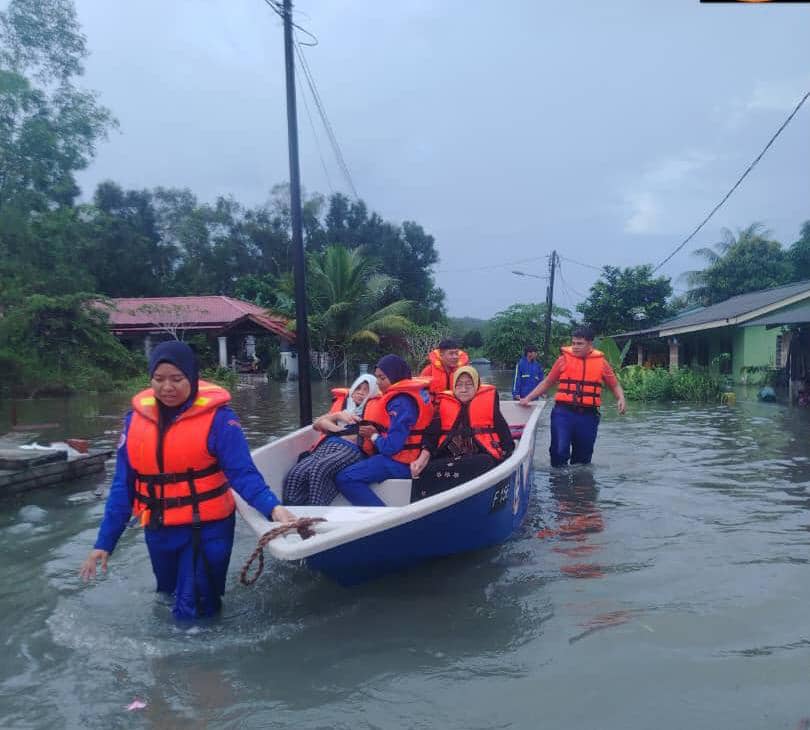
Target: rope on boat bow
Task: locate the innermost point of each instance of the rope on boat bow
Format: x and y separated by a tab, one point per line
303	525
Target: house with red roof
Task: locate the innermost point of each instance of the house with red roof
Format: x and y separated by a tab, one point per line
233	323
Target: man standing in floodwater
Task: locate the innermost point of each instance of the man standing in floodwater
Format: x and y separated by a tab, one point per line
580	372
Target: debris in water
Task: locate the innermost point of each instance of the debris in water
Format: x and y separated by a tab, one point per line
136	704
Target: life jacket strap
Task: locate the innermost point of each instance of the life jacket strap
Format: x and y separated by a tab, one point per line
156	506
171	477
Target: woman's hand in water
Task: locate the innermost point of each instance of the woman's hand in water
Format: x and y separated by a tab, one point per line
282	514
88	569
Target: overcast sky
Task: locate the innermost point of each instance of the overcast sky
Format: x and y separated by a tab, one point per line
605	131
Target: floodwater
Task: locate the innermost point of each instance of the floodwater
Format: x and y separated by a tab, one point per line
665	587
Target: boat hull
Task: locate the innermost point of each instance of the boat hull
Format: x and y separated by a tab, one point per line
484	519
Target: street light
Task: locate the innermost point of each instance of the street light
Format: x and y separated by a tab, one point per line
533	276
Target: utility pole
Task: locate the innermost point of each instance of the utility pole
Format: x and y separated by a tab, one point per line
299	262
552	265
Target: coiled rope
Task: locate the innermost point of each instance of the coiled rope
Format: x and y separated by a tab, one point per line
303	525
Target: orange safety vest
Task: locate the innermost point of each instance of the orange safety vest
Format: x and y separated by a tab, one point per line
188	487
581	379
339	398
481	412
376	414
440	379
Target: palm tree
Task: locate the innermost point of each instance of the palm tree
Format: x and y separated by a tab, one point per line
351	304
724	276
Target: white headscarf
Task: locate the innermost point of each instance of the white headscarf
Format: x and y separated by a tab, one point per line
373	390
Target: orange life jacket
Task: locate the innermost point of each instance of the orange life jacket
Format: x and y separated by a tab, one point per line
188	487
440	379
376	414
481	412
339	397
581	379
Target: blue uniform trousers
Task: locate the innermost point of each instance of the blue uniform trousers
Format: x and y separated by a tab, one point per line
193	569
353	481
573	434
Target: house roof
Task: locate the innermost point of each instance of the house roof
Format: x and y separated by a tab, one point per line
736	310
208	313
797	315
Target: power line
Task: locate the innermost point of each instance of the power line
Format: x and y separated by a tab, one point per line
315	136
580	263
489	267
279	10
736	184
330	132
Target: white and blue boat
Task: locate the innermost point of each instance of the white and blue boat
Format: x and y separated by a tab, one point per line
356	544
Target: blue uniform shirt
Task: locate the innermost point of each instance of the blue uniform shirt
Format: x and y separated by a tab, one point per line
404	414
527	376
226	442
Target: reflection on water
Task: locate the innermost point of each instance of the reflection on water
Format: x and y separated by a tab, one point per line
664	586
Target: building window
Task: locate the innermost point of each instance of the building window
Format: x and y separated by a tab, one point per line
778	361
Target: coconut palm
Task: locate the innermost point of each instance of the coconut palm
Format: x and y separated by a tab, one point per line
352	304
739	263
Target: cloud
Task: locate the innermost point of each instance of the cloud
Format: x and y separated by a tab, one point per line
652	200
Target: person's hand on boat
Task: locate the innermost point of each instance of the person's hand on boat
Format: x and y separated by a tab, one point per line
525	402
367	430
281	514
88	569
419	463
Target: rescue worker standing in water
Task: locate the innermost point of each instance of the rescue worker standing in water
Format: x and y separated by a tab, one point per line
180	452
580	372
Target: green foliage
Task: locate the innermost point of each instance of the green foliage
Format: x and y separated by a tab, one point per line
658	384
61	341
352	306
800	254
472	339
511	329
628	299
611	351
741	263
225	377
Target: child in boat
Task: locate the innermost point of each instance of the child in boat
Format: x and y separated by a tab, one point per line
312	480
467	437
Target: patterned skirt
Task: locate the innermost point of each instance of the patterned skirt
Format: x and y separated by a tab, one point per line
312	480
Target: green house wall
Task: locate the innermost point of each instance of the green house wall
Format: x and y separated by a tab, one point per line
749	347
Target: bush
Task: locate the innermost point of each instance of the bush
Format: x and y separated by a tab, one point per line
658	384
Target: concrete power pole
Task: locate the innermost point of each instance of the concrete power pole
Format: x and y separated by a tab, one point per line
552	266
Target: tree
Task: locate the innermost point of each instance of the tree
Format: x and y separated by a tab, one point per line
421	339
48	127
626	299
511	329
63	341
741	263
351	304
799	254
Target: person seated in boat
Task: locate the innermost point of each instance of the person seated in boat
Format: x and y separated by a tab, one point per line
467	436
390	433
442	363
181	451
312	480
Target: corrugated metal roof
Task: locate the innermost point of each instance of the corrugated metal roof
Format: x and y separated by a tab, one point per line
203	312
728	311
798	315
737	306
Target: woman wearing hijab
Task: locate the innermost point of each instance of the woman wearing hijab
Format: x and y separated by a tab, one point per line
391	432
312	480
180	452
467	436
